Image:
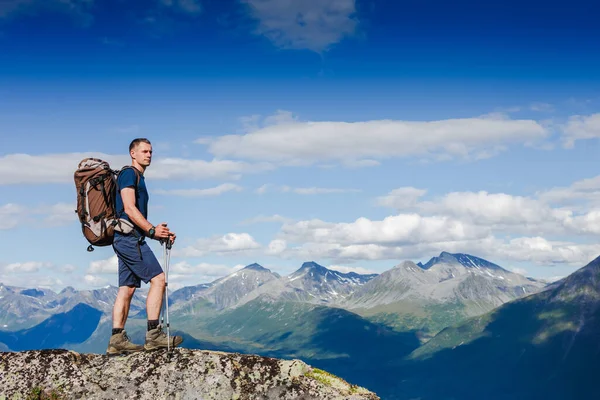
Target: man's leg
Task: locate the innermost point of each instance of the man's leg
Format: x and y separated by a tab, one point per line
153	274
155	299
121	307
119	341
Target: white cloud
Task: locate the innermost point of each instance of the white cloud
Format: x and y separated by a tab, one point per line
68	268
304	24
263	189
107	266
49	168
523	249
291	142
27	267
485	208
10	215
179	168
59	168
215	191
58	214
545	252
231	243
95	281
581	127
276	246
401	198
581	195
497	225
393	230
17	215
32	281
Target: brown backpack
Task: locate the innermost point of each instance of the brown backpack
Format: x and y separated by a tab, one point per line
96	185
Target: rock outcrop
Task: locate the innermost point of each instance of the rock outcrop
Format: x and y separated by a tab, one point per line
182	374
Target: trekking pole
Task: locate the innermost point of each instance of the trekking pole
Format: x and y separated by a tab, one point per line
168	253
162	309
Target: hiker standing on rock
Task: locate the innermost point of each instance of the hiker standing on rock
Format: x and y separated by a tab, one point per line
136	260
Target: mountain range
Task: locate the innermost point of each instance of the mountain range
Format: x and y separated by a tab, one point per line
413	331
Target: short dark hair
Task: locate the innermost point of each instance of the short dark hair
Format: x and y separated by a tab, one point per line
137	141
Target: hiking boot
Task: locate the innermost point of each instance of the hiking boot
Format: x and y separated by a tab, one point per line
119	343
156	339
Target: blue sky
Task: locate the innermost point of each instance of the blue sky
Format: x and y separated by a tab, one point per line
357	134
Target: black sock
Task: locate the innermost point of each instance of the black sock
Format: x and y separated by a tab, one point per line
117	330
152	324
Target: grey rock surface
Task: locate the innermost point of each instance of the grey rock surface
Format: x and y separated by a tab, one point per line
181	374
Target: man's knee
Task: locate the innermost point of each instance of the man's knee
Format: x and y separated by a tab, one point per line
127	291
158	280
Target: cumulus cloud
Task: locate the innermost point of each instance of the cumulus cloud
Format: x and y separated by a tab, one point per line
9	215
276	246
581	127
523	249
95	281
394	230
58	214
486	208
16	215
215	191
59	168
304	24
580	195
500	211
33	281
401	198
288	141
497	225
107	266
27	267
231	243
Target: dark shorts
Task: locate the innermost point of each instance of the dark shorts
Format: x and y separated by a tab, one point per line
132	268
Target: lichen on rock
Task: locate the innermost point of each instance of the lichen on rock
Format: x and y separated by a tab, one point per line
180	374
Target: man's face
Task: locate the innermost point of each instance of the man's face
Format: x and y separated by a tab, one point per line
142	153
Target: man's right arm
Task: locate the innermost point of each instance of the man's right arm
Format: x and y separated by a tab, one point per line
128	196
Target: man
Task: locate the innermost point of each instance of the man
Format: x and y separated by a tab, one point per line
136	260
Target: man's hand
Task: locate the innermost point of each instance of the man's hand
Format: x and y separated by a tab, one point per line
162	232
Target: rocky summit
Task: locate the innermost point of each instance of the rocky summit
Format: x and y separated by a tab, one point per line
180	374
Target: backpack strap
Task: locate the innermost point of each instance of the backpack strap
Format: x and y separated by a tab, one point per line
137	182
137	174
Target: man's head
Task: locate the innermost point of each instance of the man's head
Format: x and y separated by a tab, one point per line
141	151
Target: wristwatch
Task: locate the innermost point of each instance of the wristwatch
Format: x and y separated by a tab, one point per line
151	232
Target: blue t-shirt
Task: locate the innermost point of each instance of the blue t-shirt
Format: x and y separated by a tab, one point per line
126	179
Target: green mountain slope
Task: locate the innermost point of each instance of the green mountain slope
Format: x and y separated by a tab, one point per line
329	338
544	346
